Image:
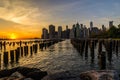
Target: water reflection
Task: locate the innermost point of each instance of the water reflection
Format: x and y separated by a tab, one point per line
95	48
13	50
61	56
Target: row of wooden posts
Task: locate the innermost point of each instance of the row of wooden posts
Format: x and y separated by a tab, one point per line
111	46
13	56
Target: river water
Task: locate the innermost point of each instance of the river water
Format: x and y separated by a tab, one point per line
63	57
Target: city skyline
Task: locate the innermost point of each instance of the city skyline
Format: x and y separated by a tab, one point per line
76	32
26	18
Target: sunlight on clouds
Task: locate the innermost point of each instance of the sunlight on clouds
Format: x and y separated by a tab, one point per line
18	11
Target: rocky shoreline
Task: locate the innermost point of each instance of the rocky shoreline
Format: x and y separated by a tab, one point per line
24	73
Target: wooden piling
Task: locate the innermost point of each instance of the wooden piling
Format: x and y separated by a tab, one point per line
92	50
102	60
116	47
5	58
31	50
12	56
25	50
86	49
16	56
21	48
110	52
99	47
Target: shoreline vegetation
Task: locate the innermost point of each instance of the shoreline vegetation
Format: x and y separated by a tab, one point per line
113	33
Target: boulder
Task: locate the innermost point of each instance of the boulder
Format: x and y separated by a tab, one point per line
99	75
28	79
17	75
22	72
36	75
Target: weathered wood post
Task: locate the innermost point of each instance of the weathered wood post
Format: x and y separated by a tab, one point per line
18	49
99	47
82	44
116	47
45	44
31	50
102	60
35	48
86	49
1	45
5	58
113	45
4	44
12	56
110	51
92	50
16	56
13	43
0	60
25	50
21	48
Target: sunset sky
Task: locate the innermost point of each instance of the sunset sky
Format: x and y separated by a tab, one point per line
26	18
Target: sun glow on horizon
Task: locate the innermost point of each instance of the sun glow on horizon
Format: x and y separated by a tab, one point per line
13	36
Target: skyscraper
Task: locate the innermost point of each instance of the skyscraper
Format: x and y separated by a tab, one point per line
91	25
66	27
51	31
59	32
74	30
77	30
45	33
110	24
103	28
67	32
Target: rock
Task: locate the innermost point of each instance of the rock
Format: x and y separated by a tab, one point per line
37	75
5	73
17	75
65	75
99	75
4	78
21	72
89	75
24	70
28	79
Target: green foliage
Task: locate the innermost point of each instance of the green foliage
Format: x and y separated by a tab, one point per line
113	32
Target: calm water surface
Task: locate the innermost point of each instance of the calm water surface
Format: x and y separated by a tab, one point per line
63	56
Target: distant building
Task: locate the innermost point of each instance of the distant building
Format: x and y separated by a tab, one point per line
51	31
85	32
77	30
66	27
81	26
72	35
91	25
95	30
103	28
64	34
59	32
45	33
67	32
56	35
110	24
74	30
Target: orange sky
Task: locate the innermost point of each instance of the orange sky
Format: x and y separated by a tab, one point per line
26	18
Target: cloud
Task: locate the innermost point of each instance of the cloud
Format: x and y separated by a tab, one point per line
19	11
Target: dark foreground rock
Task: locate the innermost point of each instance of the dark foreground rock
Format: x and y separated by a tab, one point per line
89	75
22	73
